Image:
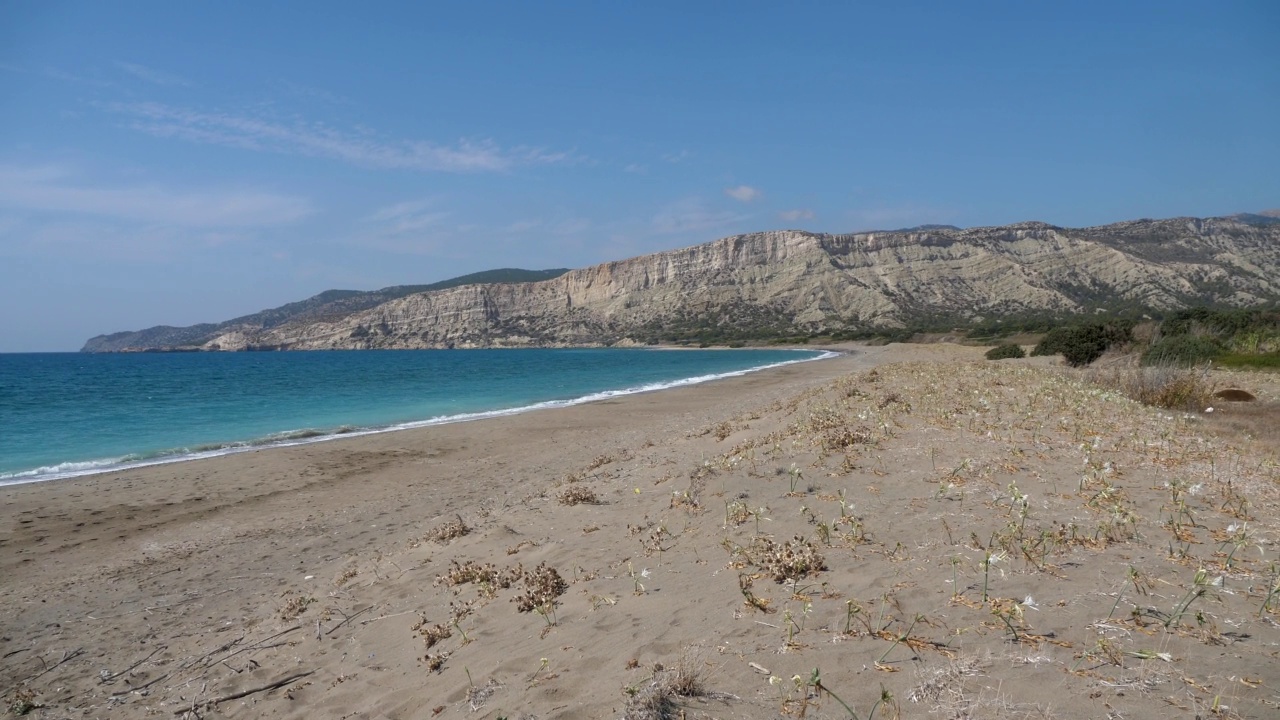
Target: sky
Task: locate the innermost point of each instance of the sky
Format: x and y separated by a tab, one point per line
169	163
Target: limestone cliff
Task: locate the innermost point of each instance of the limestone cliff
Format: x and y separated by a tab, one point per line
792	281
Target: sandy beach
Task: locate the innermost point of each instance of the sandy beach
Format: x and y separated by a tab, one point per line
901	531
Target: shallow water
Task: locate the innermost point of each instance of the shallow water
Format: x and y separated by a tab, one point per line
67	414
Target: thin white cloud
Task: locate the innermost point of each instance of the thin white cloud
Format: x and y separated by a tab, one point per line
406	218
797	214
571	226
691	215
317	140
676	157
52	189
151	75
743	193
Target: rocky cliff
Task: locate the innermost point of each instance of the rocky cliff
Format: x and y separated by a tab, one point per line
790	281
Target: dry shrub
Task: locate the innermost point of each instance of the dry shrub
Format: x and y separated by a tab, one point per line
722	430
431	634
843	437
542	586
578	495
448	531
472	572
295	606
1166	386
792	560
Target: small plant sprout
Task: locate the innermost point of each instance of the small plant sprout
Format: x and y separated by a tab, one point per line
851	608
955	585
1273	588
886	699
1199	585
846	507
796	475
824	533
1008	611
900	638
987	561
1238	540
757	514
815	680
777	682
637	587
542	666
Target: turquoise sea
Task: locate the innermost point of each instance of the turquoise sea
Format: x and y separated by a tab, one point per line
68	414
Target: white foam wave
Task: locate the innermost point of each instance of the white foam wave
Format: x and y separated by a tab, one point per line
306	436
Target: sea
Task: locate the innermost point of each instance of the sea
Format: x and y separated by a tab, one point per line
69	414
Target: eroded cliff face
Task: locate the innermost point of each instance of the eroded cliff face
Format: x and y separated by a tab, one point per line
791	281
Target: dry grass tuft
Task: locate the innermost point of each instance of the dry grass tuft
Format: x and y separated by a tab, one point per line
943	690
656	700
1166	386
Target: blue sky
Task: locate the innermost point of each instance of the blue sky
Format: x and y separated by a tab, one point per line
175	163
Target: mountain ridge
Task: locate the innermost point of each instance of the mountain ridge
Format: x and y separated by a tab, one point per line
775	283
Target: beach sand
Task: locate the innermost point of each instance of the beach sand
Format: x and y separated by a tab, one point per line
903	530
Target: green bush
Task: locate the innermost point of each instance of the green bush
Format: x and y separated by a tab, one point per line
1082	344
1181	350
1005	351
1052	343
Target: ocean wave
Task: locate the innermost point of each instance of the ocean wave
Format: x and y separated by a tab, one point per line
306	436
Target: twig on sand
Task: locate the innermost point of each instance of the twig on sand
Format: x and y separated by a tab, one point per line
348	618
220	648
144	686
65	657
260	644
387	617
243	693
111	677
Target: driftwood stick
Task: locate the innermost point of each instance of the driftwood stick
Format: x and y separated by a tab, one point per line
65	657
348	619
144	686
220	648
243	693
257	645
113	676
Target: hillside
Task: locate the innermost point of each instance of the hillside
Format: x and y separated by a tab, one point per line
328	304
785	282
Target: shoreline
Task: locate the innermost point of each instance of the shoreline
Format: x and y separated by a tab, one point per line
309	436
200	487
